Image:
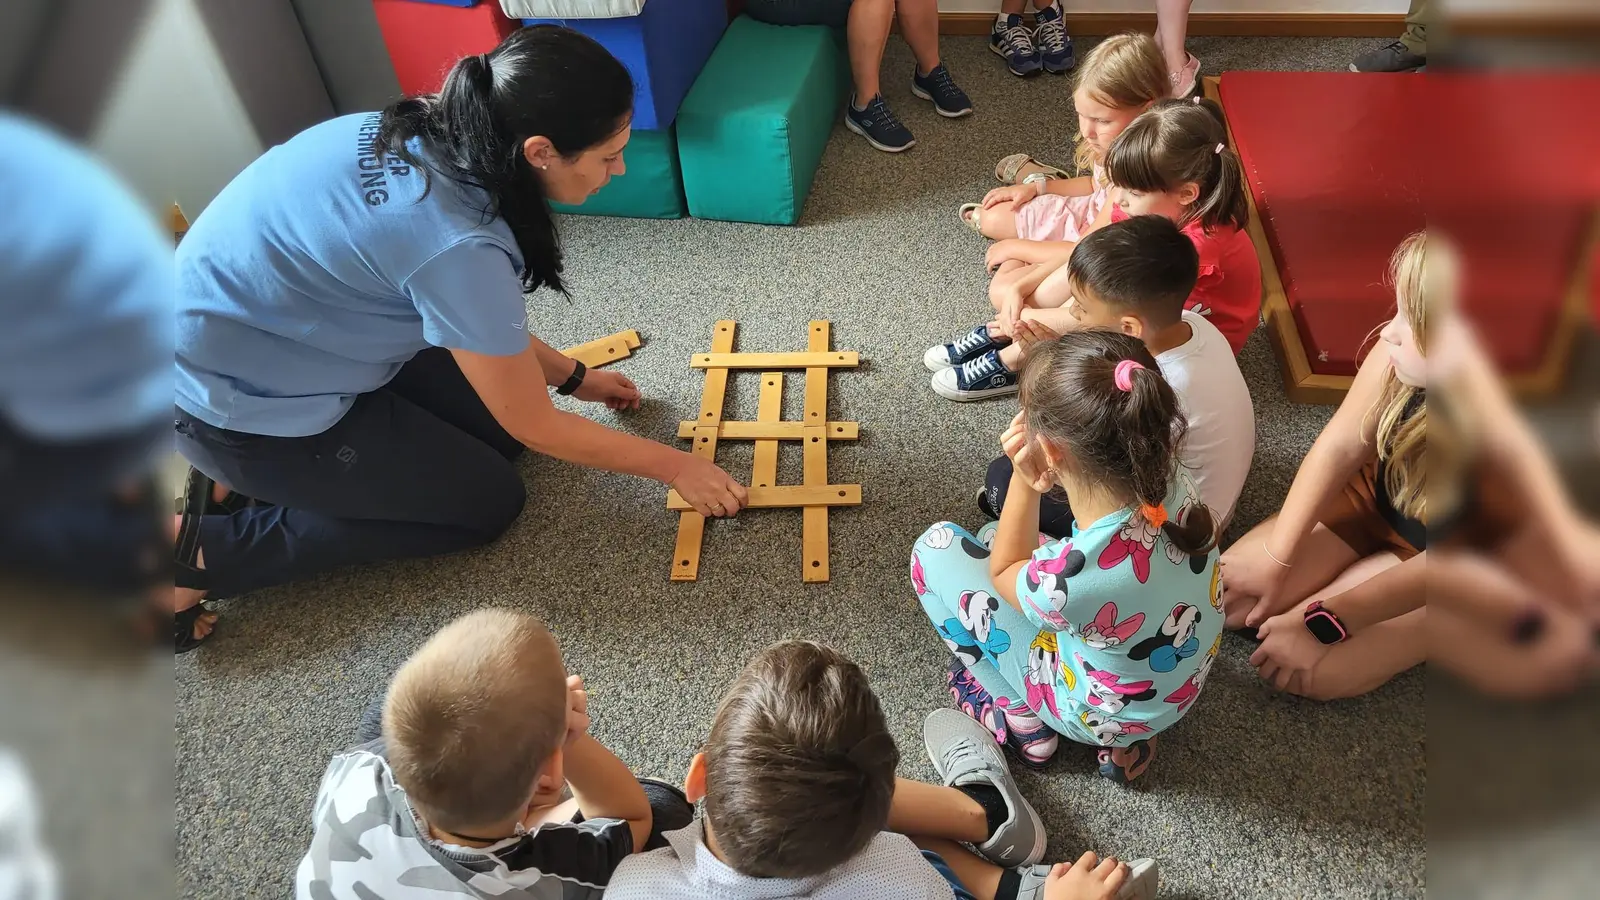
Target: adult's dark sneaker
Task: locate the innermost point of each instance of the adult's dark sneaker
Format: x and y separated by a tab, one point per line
1013	41
1050	36
949	100
1396	57
978	378
879	125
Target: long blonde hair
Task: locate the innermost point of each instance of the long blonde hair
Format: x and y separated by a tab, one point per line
1124	71
1402	439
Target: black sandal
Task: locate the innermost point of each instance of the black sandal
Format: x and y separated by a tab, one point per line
186	556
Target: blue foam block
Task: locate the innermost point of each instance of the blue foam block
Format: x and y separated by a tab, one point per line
664	48
460	3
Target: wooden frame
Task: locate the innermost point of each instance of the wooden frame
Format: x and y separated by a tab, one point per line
1305	386
815	494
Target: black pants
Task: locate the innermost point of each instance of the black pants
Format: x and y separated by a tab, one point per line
83	514
1055	516
670	809
416	468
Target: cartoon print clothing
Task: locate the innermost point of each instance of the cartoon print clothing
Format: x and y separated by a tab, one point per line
1229	290
368	842
1118	629
1053	217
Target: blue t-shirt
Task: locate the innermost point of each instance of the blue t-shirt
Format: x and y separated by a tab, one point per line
85	295
317	273
1128	626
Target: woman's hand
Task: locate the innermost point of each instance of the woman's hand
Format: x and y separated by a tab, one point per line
610	388
711	491
1086	879
1288	651
1011	193
1027	462
1252	584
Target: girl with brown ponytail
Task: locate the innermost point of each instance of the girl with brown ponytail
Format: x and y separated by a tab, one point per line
1129	596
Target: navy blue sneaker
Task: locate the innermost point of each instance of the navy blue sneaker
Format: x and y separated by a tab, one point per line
879	125
973	343
1050	36
1014	42
977	379
948	100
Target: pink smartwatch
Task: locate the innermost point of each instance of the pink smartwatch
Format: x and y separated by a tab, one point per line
1324	625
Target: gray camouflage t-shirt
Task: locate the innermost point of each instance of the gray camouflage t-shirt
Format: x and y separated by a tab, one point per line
369	844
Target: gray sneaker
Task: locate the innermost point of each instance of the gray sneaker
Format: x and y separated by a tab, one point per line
1143	879
1396	57
964	752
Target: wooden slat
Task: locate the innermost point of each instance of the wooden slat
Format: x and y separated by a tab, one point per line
843	359
814	519
774	431
765	471
789	495
604	350
1299	382
691	525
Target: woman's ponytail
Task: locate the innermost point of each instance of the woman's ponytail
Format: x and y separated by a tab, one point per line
543	81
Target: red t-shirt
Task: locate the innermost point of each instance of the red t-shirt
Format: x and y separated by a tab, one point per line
1229	290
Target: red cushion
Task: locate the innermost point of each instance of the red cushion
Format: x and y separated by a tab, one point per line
1342	167
426	39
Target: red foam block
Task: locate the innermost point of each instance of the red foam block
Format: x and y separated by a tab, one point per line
426	39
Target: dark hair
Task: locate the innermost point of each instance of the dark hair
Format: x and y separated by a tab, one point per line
1127	441
800	764
541	80
1177	141
1142	264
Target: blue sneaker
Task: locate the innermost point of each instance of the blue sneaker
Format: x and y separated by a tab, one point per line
974	343
1014	42
973	700
1050	36
948	100
879	125
978	378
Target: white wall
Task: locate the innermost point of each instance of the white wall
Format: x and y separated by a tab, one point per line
174	126
1202	6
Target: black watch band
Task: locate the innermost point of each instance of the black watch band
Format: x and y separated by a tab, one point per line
574	380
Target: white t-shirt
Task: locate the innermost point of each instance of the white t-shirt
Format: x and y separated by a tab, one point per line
1222	422
890	868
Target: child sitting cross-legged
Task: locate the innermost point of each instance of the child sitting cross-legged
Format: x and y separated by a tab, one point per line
798	790
1171	161
482	783
1105	636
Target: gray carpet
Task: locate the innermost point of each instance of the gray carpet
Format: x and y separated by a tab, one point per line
1253	795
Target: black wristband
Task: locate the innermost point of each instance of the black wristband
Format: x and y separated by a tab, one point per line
574	380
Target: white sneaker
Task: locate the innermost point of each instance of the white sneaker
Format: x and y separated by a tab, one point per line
1143	879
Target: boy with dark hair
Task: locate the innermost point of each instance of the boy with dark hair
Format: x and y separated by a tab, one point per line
1134	276
801	799
465	792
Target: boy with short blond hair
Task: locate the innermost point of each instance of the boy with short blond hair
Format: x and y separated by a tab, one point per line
463	792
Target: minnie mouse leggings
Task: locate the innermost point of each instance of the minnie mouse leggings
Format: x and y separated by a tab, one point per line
950	573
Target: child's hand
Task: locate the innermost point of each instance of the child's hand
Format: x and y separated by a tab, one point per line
1013	193
1026	460
577	708
1084	880
998	254
1027	334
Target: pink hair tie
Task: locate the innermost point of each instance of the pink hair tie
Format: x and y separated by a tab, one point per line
1123	378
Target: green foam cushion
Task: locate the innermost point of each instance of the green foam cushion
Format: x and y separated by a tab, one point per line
752	130
652	187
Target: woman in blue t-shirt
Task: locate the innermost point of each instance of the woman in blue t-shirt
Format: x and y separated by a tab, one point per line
354	370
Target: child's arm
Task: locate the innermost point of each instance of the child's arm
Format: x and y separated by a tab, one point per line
1387	595
1082	186
605	788
1018	533
1028	251
1338	453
